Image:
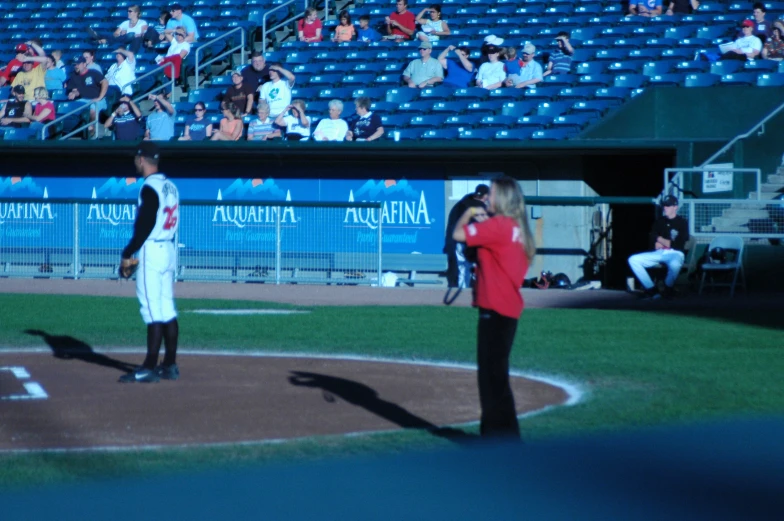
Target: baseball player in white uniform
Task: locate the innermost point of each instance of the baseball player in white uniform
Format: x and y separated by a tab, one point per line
157	219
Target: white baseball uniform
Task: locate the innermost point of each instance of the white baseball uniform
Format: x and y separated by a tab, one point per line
157	255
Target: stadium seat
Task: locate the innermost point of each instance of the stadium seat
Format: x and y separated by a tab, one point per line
402	95
575	122
395	120
581	93
712	8
553	108
436	93
407	134
342	68
387	79
761	65
498	121
702	79
516	134
18	134
585	33
374	93
206	94
677	54
695	44
542	92
507	93
644	54
551	134
483	107
308	69
660	43
739	78
698	66
632	42
594	67
596	80
631	81
560	80
773	79
595	107
657	67
429	121
383	107
484	134
415	107
626	67
534	122
361	56
306	93
324	80
714	32
299	57
441	134
369	67
355	80
725	67
464	120
449	107
672	79
519	108
474	94
615	95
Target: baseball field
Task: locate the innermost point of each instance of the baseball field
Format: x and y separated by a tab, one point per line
628	364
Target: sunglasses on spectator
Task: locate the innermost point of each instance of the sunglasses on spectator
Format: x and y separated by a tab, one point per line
199	110
179	34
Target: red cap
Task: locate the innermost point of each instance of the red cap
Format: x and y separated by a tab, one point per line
21	47
747	23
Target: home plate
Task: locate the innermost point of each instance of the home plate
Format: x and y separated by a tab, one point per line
249	312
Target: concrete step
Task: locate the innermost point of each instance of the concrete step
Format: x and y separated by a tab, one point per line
709	228
743	213
772	187
776	178
748	206
728	222
780	170
764	195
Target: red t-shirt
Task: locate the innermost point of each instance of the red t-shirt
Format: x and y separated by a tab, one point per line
501	265
309	30
407	20
9	73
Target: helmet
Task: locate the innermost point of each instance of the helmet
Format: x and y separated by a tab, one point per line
561	280
544	280
718	255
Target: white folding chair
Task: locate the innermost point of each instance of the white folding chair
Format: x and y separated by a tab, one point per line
731	266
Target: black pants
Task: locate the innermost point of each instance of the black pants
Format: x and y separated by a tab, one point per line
495	336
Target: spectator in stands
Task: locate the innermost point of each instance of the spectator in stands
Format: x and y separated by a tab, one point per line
530	73
239	93
160	123
89	55
668	237
180	19
263	127
87	86
332	128
130	33
197	128
366	33
682	6
15	65
459	73
294	120
763	29
309	28
512	64
747	47
368	126
257	73
277	91
490	41
647	8
31	76
122	73
178	51
43	110
345	31
491	74
561	59
54	77
401	24
16	112
434	28
155	30
425	71
125	120
231	125
774	47
57	54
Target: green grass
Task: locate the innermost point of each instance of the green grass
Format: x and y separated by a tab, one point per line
639	368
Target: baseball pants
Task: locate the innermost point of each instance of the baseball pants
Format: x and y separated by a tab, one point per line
155	281
673	259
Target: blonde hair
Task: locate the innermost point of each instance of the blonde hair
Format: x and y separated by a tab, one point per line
263	105
41	92
509	201
511	53
300	103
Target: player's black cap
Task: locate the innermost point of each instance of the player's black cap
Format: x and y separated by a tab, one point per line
481	190
670	200
148	149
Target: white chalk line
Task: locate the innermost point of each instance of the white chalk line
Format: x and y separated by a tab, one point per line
576	394
243	312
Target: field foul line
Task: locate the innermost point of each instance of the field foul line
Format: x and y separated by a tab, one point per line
575	392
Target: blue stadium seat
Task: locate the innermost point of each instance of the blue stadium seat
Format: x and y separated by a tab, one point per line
361	56
407	134
701	79
586	33
441	134
395	120
644	54
374	67
614	95
300	57
677	54
436	93
340	93
739	78
672	79
429	121
695	44
342	68
627	67
761	65
534	122
658	67
415	107
18	134
464	120
648	32
611	55
698	66
402	95
551	134
617	32
542	92
324	80
725	67
773	79
383	107
387	79
595	107
596	80
473	93
483	107
374	93
594	67
715	31
307	68
449	107
498	121
206	94
519	108
184	107
223	80
578	93
516	134
553	108
306	93
712	8
507	93
574	121
631	81
661	43
483	134
560	80
633	42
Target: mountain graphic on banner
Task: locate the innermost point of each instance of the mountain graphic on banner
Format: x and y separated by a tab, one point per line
120	186
373	189
243	187
16	185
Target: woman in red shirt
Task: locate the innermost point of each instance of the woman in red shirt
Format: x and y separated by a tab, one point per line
505	248
309	28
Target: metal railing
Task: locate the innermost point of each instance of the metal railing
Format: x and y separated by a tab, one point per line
750	219
674	179
281	24
75	111
240	47
156	70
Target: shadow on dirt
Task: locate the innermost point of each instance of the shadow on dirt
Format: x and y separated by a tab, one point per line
69	348
366	397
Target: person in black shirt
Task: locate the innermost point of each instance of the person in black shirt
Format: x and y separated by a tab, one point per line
257	73
126	120
458	271
668	236
241	93
681	6
16	111
366	126
89	86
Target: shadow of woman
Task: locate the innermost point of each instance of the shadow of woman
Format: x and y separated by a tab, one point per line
366	397
69	348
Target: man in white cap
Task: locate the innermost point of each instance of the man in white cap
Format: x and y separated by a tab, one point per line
424	71
530	71
491	40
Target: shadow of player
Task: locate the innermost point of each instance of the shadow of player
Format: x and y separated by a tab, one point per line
69	348
366	397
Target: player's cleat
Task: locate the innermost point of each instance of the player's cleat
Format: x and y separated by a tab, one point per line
651	294
141	375
168	372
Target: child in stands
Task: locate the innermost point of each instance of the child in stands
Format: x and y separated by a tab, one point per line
344	32
367	33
